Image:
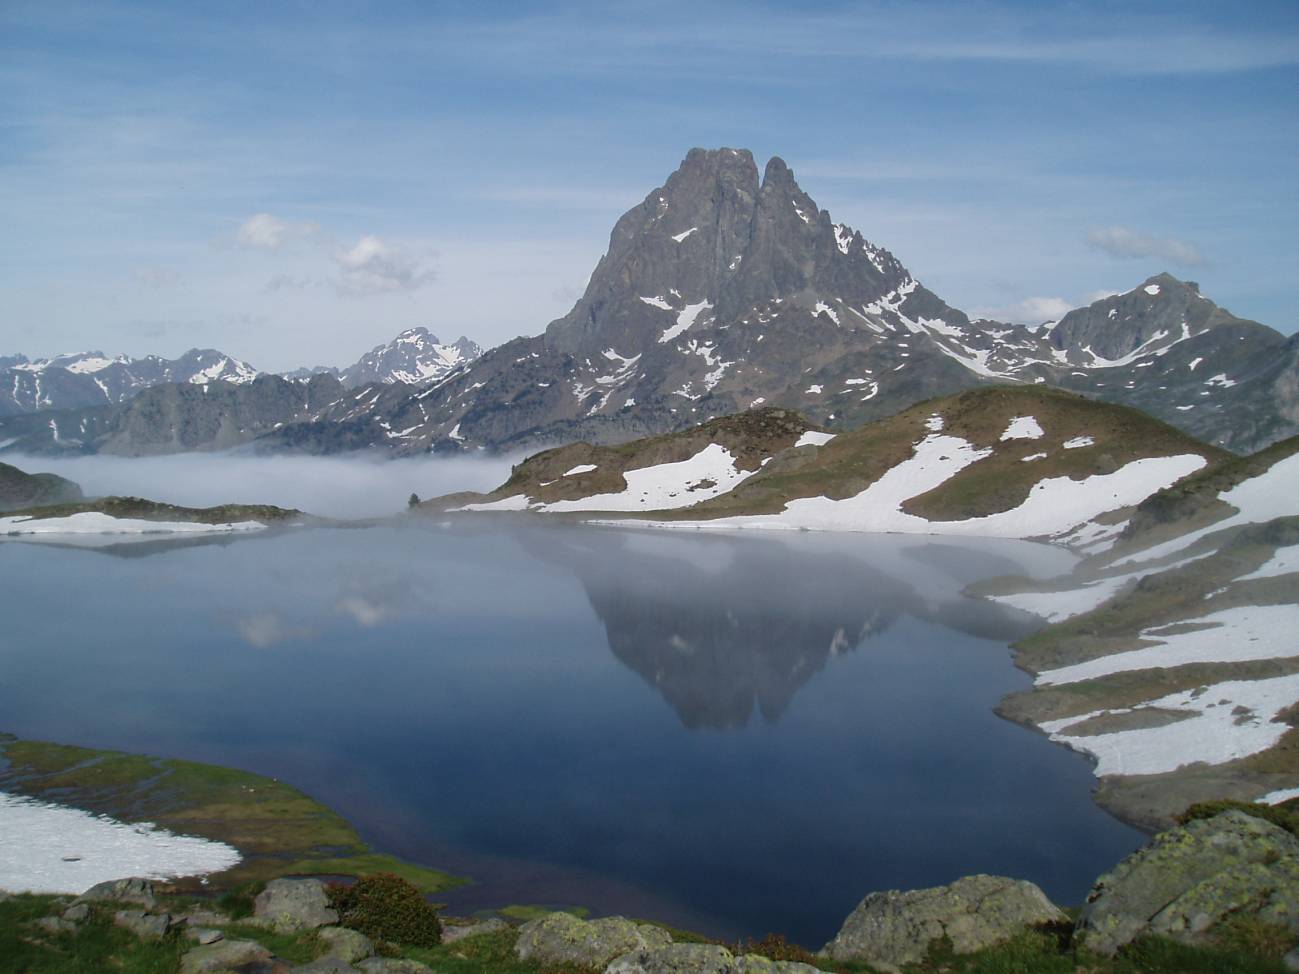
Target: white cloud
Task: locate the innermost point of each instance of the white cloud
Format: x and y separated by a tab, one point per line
287	282
157	278
1128	244
372	266
262	231
1030	311
266	629
1101	294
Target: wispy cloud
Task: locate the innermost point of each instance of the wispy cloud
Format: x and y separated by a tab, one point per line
262	231
1030	311
372	266
1127	244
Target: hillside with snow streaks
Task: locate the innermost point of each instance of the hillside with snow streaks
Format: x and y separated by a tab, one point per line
1171	658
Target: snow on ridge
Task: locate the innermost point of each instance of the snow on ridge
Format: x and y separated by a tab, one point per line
678	237
684	320
1023	428
666	486
814	438
656	302
1214	733
93	522
1078	442
823	308
1240	634
580	468
842	237
57	849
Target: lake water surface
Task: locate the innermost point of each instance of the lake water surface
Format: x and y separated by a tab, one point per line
734	734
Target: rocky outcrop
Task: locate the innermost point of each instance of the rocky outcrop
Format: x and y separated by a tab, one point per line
453	932
246	956
891	929
561	938
294	904
348	945
121	891
1191	878
146	926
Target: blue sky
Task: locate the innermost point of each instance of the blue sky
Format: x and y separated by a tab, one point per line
296	182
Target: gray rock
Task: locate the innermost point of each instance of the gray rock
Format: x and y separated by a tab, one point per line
1291	960
389	965
1188	879
561	938
56	925
890	929
146	926
350	945
675	959
753	964
226	956
204	918
77	912
204	935
294	904
326	965
121	891
450	934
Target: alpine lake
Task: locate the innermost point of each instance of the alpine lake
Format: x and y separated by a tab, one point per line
730	733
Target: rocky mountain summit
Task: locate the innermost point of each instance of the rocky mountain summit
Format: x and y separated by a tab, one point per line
726	289
93	379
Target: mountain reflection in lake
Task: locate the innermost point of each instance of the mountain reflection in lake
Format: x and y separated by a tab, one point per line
730	733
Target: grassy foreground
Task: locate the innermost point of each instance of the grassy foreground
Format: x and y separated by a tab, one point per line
99	946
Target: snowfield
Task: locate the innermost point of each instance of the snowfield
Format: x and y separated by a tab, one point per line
1054	505
56	849
92	522
1215	731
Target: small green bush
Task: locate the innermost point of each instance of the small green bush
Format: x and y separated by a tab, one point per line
238	903
774	946
386	907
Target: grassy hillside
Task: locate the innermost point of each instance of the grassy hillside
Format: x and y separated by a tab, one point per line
19	489
146	510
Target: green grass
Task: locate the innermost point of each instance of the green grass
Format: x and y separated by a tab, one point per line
138	507
278	829
96	947
528	911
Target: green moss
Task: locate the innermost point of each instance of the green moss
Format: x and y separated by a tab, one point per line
529	911
278	829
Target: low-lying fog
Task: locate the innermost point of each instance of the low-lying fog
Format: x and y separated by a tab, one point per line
343	487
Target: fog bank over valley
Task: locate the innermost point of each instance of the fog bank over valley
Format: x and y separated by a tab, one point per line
339	487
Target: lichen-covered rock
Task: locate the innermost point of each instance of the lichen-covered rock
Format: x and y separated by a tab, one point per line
1189	878
121	891
56	925
226	955
675	959
294	904
893	928
452	933
203	935
349	945
325	965
389	965
561	938
77	912
146	926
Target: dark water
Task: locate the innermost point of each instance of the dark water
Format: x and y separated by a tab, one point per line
735	734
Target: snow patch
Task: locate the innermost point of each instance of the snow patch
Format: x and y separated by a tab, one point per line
93	522
678	237
56	849
656	302
684	320
580	468
1151	289
1078	442
1023	428
814	438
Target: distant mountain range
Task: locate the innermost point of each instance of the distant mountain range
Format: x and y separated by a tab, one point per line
70	382
723	291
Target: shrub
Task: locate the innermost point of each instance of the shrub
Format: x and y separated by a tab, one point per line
1286	815
387	907
775	947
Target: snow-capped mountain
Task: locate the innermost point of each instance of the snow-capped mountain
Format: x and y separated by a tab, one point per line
415	356
726	289
93	379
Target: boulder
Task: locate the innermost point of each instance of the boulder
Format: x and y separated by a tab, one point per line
225	956
561	938
890	929
77	912
325	965
146	926
701	959
287	905
450	934
349	945
56	925
121	891
389	965
204	918
203	935
1189	878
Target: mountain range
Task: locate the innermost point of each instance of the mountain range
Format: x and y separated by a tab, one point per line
725	290
87	379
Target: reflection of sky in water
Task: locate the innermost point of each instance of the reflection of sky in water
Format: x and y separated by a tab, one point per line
737	734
